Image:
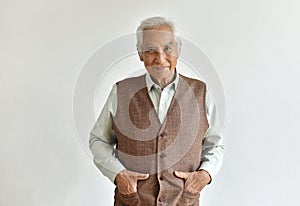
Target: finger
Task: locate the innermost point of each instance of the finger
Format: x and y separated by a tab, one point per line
142	176
183	175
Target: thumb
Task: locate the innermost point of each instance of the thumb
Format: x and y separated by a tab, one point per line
183	175
141	176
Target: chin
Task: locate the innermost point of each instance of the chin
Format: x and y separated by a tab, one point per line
162	74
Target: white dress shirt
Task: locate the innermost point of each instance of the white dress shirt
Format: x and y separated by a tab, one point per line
102	138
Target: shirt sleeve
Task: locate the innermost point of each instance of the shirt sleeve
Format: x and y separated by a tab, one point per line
212	148
102	140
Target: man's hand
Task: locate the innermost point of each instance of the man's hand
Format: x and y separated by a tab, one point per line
194	181
126	181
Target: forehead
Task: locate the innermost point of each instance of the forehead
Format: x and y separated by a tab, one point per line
158	36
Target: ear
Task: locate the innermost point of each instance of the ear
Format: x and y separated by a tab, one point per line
141	56
179	51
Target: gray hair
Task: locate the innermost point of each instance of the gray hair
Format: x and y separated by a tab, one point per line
155	22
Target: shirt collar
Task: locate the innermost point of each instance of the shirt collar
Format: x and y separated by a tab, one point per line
150	83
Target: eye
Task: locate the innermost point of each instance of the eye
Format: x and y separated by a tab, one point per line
149	48
168	49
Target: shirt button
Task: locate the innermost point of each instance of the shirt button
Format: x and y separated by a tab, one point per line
161	178
162	199
163	155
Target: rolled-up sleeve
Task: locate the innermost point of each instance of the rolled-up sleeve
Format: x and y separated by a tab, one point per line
212	148
102	139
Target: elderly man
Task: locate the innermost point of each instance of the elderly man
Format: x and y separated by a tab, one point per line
157	137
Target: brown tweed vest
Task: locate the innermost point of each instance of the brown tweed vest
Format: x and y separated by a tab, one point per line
145	145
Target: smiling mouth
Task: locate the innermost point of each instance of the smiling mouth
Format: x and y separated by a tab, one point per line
160	68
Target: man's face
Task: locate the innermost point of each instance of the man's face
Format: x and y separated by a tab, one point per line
159	53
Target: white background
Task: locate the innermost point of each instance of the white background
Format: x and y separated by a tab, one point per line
254	46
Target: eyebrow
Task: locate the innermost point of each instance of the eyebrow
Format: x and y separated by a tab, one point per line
149	46
171	43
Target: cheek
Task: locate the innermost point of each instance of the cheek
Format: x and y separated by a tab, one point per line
148	60
173	61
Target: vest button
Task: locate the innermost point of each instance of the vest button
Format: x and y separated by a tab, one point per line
161	178
162	199
163	134
163	155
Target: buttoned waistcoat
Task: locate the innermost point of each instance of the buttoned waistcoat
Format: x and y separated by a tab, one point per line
146	145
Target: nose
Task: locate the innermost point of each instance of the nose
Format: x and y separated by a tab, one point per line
160	57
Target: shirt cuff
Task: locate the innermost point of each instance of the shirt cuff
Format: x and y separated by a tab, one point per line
210	168
110	173
112	176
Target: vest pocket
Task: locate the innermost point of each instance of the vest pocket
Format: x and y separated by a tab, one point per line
126	200
188	199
